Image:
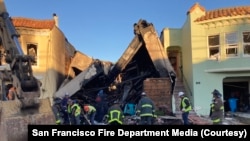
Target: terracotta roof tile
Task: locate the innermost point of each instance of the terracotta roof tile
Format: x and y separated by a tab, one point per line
32	23
225	12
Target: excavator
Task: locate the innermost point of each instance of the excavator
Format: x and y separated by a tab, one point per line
16	71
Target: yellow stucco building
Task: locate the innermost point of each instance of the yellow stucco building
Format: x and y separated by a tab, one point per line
53	52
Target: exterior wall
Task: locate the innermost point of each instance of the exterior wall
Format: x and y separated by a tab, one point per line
60	59
41	39
52	48
187	62
201	83
158	89
202	75
78	63
209	74
171	40
172	37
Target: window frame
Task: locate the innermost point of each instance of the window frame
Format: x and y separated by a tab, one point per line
244	44
214	56
35	46
231	45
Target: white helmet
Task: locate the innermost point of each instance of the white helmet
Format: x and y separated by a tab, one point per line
143	93
180	93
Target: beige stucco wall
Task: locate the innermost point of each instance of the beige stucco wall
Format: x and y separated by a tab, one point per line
54	55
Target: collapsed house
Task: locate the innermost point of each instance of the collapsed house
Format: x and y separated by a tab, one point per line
144	66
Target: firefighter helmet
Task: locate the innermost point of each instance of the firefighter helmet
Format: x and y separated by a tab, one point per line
143	94
216	93
86	108
180	93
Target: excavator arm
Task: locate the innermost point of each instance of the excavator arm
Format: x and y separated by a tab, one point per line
20	65
16	70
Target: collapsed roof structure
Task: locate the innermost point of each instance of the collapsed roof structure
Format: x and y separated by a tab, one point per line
144	58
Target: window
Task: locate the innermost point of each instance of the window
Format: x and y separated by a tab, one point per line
231	44
32	51
214	46
246	43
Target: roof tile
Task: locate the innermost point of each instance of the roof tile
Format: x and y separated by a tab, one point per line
225	12
32	23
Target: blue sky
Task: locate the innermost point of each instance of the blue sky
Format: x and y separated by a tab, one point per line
103	29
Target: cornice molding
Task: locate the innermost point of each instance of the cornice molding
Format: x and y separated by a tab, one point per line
221	22
26	31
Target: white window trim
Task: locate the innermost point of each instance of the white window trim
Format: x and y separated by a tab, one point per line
232	45
243	45
215	56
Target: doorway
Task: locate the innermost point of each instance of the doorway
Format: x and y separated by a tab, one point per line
238	91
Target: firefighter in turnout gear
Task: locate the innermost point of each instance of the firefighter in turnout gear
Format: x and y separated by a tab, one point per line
217	108
145	109
115	114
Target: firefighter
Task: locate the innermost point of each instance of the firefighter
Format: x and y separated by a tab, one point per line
145	109
185	107
56	108
76	112
115	114
64	105
69	111
101	106
217	108
91	112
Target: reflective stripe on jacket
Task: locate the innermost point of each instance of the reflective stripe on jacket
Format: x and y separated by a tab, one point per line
92	109
145	107
217	108
77	109
186	106
115	115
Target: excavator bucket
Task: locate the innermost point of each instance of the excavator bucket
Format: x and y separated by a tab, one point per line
14	120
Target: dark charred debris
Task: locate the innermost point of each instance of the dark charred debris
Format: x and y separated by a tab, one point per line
123	81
